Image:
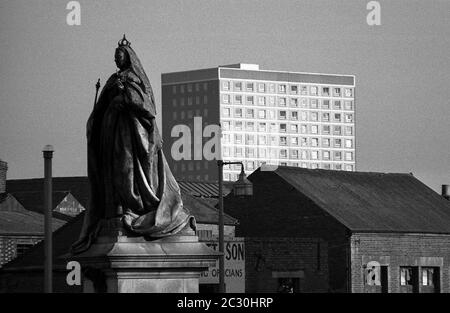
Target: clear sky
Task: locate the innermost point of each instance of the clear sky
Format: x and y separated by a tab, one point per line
402	68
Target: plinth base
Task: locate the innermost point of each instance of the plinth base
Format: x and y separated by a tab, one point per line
123	264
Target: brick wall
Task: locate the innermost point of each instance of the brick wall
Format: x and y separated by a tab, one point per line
8	246
395	250
264	256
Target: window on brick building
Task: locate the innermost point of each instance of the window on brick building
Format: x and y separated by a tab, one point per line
409	282
288	285
288	282
376	279
430	279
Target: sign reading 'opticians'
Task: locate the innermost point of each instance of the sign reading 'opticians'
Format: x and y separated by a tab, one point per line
234	266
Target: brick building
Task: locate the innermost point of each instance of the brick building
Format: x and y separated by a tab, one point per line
20	230
381	232
21	214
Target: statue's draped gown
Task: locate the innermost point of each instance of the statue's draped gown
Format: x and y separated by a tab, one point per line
128	174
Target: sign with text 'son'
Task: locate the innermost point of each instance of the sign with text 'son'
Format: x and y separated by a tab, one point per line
234	251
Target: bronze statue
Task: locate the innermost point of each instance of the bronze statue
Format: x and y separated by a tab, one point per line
128	174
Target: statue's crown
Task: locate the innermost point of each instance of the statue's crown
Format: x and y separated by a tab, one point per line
124	42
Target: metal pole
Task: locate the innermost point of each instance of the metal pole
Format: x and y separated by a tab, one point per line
48	266
220	165
221	231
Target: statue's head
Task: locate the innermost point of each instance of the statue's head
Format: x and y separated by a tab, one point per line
126	58
121	57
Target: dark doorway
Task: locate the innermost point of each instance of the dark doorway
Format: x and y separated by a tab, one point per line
384	279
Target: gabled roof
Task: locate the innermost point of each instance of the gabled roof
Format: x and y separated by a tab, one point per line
370	202
30	191
15	220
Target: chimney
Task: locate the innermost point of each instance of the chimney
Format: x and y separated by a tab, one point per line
3	170
446	192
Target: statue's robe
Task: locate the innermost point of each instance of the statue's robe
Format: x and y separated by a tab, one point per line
128	174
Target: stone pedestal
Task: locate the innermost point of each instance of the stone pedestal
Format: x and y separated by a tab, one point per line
120	263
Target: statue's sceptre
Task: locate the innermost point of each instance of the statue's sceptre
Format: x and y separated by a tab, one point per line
97	87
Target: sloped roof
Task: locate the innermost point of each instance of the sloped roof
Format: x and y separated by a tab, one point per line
24	223
203	189
61	241
203	211
375	202
30	191
199	197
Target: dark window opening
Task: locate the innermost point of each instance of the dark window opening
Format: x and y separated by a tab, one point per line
21	248
208	288
288	285
430	280
409	279
376	280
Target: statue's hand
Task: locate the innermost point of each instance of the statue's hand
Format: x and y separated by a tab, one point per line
120	84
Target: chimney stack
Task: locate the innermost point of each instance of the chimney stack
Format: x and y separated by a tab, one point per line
446	192
3	170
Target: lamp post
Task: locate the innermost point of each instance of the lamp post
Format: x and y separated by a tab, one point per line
48	266
242	187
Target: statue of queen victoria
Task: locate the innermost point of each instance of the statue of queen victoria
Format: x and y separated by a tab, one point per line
128	174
